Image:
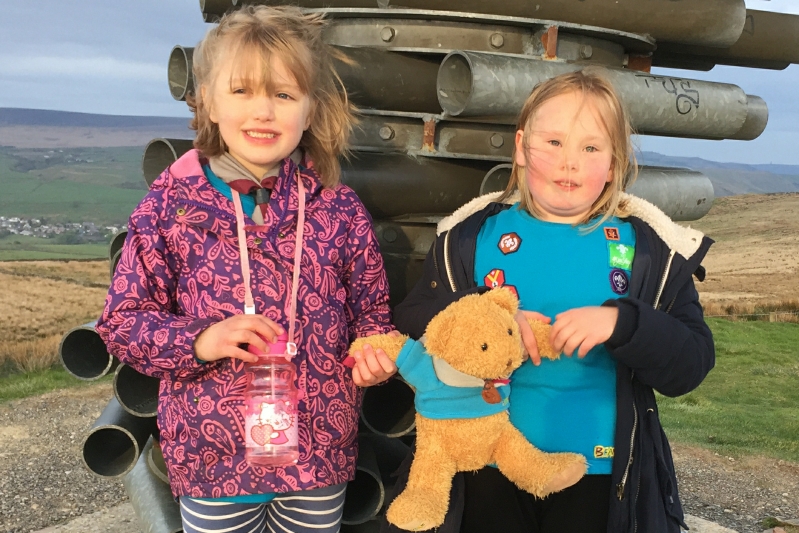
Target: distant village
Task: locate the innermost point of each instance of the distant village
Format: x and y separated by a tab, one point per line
33	227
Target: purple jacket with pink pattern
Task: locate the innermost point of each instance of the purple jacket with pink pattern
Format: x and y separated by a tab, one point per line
180	272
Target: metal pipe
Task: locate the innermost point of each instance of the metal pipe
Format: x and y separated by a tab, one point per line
681	193
155	461
390	80
709	22
404	245
152	500
769	40
480	84
365	493
116	439
136	393
389	453
383	183
112	264
84	355
179	72
216	8
372	526
389	410
117	241
159	154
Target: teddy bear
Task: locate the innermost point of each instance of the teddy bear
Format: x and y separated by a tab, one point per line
459	370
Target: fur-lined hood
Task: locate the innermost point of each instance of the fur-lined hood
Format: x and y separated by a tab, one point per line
683	240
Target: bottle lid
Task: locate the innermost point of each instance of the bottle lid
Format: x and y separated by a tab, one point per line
278	347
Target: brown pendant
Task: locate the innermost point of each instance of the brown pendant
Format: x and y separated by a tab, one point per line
490	393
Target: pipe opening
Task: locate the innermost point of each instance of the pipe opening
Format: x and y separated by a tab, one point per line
137	393
179	73
84	355
388	409
454	83
110	452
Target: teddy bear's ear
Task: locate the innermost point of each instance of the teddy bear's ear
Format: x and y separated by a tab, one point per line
503	298
438	333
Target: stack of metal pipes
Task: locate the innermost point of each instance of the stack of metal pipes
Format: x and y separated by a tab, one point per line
439	91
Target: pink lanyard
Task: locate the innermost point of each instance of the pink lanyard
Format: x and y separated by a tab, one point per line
249	304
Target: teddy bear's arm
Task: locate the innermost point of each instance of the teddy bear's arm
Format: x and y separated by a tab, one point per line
391	344
541	332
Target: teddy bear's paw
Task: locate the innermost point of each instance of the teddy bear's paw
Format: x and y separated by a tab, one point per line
571	466
416	514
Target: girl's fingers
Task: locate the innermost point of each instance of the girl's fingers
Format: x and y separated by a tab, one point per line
386	363
237	353
250	337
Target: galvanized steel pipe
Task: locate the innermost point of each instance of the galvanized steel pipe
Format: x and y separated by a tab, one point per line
116	439
365	493
159	154
155	461
113	262
117	241
480	84
389	409
179	72
84	355
152	500
404	245
136	393
681	193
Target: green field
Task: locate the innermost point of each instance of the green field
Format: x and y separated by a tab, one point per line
100	185
749	403
22	248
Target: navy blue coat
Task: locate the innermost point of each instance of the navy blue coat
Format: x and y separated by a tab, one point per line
667	348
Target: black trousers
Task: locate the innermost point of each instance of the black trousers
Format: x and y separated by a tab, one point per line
494	504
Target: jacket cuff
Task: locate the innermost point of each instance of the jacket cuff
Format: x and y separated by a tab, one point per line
626	323
192	331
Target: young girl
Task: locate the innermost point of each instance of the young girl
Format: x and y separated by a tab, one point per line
614	276
209	266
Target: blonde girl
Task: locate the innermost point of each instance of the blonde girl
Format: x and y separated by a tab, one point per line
216	258
614	276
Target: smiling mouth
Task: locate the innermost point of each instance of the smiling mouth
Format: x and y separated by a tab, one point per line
259	135
566	184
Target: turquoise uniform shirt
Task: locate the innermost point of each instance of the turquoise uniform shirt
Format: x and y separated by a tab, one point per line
567	405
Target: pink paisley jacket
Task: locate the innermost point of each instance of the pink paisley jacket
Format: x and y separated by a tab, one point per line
180	272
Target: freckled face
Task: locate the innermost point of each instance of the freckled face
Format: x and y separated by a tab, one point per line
261	126
567	158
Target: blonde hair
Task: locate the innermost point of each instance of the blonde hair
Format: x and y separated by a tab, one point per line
257	33
590	83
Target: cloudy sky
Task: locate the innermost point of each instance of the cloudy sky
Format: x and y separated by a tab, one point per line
110	57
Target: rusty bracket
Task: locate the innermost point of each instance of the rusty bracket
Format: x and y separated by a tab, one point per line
550	42
429	135
640	63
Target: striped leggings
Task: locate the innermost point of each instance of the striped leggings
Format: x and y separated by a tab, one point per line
317	511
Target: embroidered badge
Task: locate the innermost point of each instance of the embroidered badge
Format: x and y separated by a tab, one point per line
621	255
603	452
495	278
512	289
509	243
612	234
619	282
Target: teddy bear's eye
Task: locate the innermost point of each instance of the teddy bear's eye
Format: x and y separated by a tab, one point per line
484	346
510	332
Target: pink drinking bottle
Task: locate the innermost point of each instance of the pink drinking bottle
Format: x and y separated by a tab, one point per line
270	401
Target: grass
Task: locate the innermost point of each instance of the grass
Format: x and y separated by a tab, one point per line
24	248
22	385
749	403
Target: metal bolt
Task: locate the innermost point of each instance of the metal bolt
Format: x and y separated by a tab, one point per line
586	51
497	40
390	235
387	34
497	140
386	133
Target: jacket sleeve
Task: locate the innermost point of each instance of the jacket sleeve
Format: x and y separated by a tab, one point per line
429	296
140	324
365	281
671	351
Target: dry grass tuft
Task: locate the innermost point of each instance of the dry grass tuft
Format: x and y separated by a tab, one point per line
42	300
770	311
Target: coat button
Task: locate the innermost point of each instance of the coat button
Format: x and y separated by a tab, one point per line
258	240
433	284
281	235
196	400
181	211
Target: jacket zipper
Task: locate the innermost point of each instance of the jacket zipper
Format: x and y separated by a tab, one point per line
450	277
620	487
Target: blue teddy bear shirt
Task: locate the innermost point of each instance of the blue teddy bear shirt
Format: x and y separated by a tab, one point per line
437	400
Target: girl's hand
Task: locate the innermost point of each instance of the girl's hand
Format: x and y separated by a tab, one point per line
372	366
223	338
528	338
583	328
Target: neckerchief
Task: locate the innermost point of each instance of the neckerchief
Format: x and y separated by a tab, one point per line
241	180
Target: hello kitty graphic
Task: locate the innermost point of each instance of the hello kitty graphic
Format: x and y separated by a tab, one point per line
273	421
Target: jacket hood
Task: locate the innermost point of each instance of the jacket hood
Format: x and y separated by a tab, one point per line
683	240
